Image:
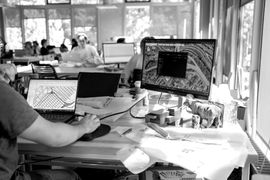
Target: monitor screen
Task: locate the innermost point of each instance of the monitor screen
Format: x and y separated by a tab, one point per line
52	94
178	66
117	52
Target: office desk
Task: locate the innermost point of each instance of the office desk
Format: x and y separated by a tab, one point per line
25	60
69	71
101	152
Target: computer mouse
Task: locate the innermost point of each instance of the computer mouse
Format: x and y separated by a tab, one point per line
102	130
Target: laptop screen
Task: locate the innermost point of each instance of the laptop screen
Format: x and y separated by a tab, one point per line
97	84
52	94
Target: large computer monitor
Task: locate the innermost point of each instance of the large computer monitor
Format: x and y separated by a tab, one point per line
178	66
115	53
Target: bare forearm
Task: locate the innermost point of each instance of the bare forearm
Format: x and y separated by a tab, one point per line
65	134
53	134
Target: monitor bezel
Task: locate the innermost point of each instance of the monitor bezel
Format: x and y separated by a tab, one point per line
181	92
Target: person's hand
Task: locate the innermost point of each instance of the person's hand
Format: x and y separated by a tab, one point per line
90	123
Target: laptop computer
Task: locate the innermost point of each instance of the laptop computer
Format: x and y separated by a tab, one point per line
94	84
54	99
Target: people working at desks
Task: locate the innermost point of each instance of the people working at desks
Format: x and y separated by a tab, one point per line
18	119
84	53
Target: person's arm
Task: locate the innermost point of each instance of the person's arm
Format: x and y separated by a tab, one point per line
94	54
59	134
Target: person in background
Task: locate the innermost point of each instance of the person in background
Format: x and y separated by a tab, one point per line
44	49
74	43
63	48
18	119
36	48
134	66
28	48
88	54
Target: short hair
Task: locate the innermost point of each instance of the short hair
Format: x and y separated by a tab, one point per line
82	35
43	41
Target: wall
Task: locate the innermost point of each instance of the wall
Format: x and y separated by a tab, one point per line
263	123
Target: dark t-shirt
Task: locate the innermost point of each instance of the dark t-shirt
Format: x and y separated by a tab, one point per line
15	116
44	51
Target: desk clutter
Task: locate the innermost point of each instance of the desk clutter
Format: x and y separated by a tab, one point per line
193	113
208	153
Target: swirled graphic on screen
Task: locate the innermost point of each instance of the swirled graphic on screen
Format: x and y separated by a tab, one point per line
198	68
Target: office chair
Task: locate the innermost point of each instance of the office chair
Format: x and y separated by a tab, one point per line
44	71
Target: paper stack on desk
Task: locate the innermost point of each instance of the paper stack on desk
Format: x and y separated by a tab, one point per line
209	153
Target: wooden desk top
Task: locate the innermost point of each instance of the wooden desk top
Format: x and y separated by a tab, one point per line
105	149
70	71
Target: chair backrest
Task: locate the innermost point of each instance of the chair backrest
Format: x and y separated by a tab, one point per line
44	71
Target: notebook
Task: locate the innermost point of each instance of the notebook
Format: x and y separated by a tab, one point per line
54	99
94	84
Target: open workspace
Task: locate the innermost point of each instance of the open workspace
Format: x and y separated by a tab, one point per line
134	89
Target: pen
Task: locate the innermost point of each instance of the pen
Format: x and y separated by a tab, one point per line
127	131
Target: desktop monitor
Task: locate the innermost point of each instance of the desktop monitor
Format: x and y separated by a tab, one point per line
115	53
178	66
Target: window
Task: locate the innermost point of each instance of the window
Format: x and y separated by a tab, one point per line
171	20
13	28
85	21
32	2
134	21
59	25
164	21
246	26
87	1
58	1
137	22
34	24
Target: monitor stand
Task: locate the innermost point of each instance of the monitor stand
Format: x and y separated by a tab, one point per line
183	99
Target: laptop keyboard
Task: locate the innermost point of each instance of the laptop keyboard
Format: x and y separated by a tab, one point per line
57	117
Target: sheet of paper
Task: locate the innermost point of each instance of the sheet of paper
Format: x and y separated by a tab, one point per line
203	154
120	129
134	159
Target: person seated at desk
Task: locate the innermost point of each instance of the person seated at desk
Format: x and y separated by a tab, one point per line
18	119
134	65
28	49
36	48
44	50
88	54
74	43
